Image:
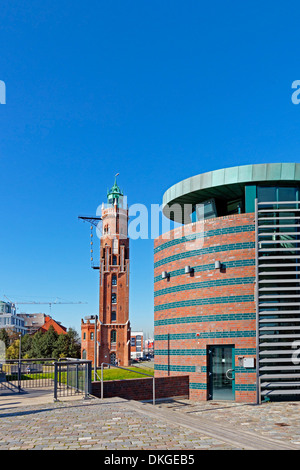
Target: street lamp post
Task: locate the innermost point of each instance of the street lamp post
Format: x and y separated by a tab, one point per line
94	317
19	368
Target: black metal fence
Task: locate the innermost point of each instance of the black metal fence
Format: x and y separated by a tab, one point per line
64	378
72	378
29	373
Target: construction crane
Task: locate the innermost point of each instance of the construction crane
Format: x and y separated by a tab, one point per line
55	302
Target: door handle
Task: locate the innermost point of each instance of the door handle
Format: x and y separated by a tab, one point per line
226	373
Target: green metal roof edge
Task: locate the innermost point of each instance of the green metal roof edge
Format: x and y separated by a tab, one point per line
228	180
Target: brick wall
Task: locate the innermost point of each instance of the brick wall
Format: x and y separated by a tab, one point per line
208	307
142	389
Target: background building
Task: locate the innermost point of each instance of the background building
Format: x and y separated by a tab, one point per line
113	329
149	346
32	321
136	340
10	320
227	297
58	327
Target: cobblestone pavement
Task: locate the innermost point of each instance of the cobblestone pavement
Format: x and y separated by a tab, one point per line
93	424
116	424
276	420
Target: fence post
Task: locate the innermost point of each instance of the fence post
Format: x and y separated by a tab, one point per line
55	380
102	380
89	370
77	379
86	383
60	376
19	376
153	390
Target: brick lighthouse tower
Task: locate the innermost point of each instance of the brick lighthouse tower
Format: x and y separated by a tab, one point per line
113	329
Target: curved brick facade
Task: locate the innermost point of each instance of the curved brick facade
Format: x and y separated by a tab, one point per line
208	307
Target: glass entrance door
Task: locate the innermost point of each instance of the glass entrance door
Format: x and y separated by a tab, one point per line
221	375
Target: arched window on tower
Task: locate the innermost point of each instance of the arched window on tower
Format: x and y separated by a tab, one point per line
114	260
113	336
114	280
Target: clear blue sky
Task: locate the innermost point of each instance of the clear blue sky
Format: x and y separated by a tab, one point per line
155	90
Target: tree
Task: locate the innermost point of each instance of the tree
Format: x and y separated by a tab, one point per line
48	342
12	335
12	351
36	345
26	346
61	347
4	337
68	345
74	344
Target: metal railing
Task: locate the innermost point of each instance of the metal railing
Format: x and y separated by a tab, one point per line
130	370
29	373
65	377
72	377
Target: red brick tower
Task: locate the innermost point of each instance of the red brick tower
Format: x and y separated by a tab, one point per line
113	329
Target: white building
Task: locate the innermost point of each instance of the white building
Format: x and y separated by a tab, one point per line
137	349
9	318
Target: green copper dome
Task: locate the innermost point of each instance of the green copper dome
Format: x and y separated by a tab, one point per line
115	193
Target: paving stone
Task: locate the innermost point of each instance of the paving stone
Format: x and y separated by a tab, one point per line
113	424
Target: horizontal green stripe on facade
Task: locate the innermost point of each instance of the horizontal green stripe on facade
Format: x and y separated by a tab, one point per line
210	267
206	334
180	352
199	352
244	370
202	301
206	318
237	370
204	251
245	351
238	387
183	368
206	234
245	387
198	386
205	284
174	368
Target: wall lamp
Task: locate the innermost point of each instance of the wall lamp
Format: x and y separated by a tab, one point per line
218	265
188	270
165	275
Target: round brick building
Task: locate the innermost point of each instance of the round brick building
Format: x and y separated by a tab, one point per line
227	308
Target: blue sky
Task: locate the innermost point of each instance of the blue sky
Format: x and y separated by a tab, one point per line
157	91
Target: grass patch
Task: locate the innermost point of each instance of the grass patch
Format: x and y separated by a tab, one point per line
121	374
108	374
